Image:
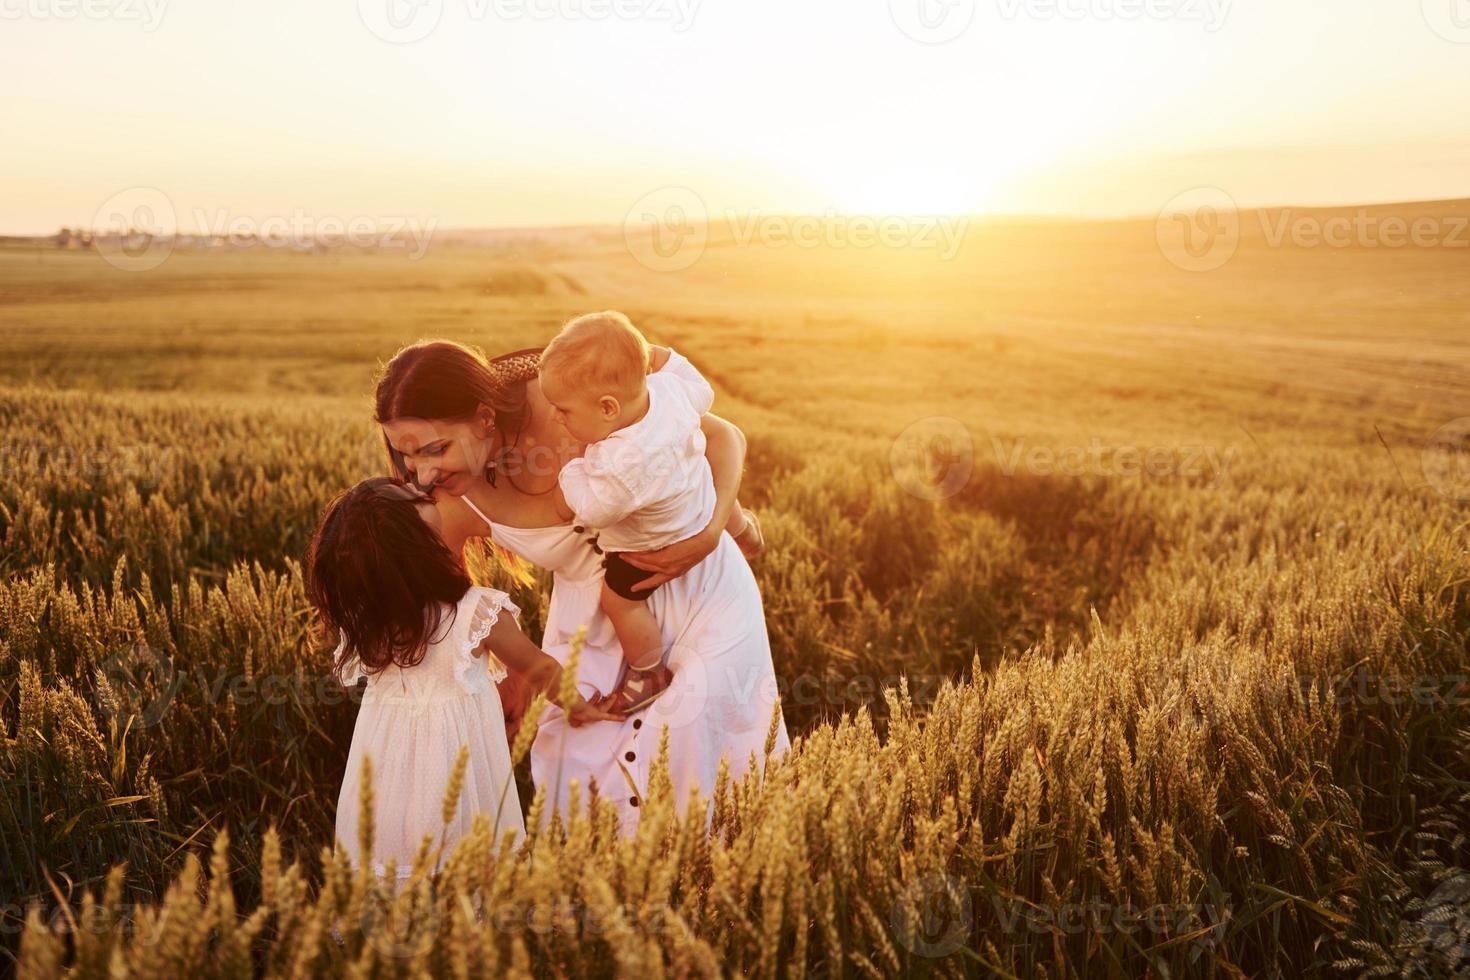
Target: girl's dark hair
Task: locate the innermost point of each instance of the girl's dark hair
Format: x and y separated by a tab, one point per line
381	576
441	379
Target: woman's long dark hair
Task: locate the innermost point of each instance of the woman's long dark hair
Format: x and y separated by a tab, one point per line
381	576
448	381
441	379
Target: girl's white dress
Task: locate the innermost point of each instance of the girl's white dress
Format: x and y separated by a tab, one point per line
412	722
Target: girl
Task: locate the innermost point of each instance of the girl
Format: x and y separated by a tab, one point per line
386	574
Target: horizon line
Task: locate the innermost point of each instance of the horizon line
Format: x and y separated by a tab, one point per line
994	217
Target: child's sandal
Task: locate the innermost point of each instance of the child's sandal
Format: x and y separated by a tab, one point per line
640	688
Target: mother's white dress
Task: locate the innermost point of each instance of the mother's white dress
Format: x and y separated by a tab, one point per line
724	690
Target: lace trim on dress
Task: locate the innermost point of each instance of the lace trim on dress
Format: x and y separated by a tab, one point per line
486	614
352	672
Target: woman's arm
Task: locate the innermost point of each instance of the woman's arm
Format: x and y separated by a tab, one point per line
725	450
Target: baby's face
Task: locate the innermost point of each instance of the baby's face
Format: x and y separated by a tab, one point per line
587	415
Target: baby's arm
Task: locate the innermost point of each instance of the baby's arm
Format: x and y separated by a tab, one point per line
724	443
591	489
676	365
719	439
541	672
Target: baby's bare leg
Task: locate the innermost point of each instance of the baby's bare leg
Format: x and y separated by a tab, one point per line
636	627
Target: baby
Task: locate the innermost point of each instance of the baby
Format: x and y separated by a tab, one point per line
642	480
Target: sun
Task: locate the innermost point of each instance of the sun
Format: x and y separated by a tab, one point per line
911	192
908	184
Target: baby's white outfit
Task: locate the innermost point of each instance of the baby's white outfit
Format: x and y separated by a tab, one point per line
648	484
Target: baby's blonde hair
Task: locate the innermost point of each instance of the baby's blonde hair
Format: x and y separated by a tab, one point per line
603	352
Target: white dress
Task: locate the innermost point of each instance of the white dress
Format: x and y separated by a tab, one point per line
724	688
412	722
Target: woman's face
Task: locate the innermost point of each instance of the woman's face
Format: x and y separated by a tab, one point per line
442	456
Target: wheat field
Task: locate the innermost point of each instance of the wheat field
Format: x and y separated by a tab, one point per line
1120	613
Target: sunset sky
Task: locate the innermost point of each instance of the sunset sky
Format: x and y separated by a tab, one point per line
531	112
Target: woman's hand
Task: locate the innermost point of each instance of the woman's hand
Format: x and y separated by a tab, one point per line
671	561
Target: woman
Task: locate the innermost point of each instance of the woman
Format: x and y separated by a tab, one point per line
480	436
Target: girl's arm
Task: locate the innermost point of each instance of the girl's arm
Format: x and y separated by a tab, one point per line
515	700
725	450
541	673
